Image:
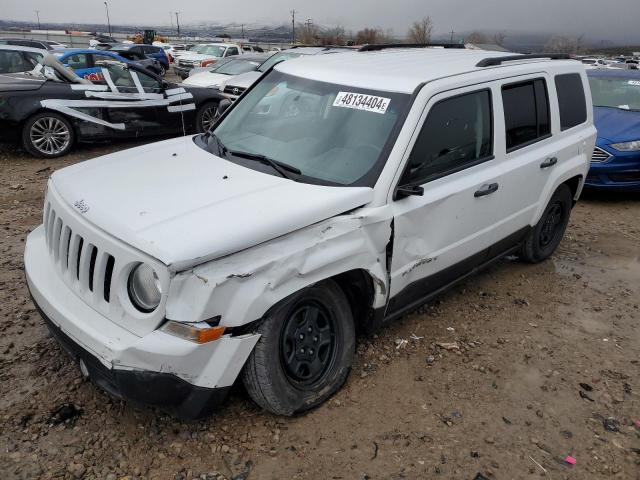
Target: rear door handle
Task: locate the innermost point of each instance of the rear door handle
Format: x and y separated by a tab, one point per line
486	189
549	162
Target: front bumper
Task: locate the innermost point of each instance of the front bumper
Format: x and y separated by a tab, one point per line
621	171
158	369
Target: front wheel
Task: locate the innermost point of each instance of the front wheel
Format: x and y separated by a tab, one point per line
545	237
305	351
48	135
206	116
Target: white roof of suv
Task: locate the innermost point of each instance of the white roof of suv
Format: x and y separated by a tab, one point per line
396	70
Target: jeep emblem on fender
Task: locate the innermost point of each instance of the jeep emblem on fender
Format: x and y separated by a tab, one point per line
80	205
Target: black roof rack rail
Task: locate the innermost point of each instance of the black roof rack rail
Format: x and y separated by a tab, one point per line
494	61
324	47
373	47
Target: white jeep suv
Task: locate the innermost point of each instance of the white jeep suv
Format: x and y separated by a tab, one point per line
258	249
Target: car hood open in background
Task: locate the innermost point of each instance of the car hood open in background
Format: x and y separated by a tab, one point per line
617	125
184	206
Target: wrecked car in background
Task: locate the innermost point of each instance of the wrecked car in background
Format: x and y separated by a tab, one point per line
50	108
332	195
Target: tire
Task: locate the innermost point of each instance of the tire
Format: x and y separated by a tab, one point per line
275	375
545	237
206	116
60	140
161	70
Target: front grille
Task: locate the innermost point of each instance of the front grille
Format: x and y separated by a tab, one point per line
86	268
233	90
185	63
600	155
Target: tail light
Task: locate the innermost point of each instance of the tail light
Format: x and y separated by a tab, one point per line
170	57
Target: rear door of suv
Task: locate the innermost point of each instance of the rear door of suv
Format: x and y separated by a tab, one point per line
539	142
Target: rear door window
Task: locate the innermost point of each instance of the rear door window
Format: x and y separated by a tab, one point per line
571	101
526	113
457	134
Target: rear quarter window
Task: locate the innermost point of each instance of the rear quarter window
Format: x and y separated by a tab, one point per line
571	100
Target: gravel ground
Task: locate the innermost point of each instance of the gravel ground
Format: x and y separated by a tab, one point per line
485	380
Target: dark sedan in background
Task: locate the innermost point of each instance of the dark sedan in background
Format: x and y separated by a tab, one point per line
50	108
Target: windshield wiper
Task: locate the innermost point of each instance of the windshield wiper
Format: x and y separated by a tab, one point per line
222	149
280	167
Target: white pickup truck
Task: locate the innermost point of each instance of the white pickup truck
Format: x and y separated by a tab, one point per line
203	55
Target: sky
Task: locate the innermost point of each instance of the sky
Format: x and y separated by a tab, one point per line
603	19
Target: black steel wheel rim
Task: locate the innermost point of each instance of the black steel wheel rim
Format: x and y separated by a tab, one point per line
551	224
308	344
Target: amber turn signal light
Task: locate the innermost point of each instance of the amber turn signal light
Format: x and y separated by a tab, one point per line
192	333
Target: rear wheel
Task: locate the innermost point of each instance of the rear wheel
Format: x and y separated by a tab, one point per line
161	70
48	135
207	116
305	351
545	237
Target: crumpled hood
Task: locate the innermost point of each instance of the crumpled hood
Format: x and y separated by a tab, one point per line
616	125
184	206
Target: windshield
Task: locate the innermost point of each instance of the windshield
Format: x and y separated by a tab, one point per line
616	92
236	67
212	50
277	58
334	134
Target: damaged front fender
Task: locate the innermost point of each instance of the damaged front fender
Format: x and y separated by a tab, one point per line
241	287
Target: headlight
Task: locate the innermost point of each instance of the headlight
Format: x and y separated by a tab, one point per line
627	146
144	288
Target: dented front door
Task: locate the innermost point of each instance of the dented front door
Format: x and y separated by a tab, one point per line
445	232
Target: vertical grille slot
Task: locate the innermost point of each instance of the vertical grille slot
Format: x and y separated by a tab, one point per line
50	222
63	249
78	256
57	232
108	274
45	221
92	264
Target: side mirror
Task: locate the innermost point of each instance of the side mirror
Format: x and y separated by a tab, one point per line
408	190
223	106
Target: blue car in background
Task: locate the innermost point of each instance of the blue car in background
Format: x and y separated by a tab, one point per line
84	61
615	163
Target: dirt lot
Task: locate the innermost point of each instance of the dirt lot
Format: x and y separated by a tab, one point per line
505	403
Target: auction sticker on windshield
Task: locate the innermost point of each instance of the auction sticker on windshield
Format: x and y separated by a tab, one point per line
634	83
360	101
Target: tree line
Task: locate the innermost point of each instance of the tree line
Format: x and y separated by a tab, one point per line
420	32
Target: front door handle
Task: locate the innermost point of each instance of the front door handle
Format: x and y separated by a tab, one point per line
549	162
486	189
